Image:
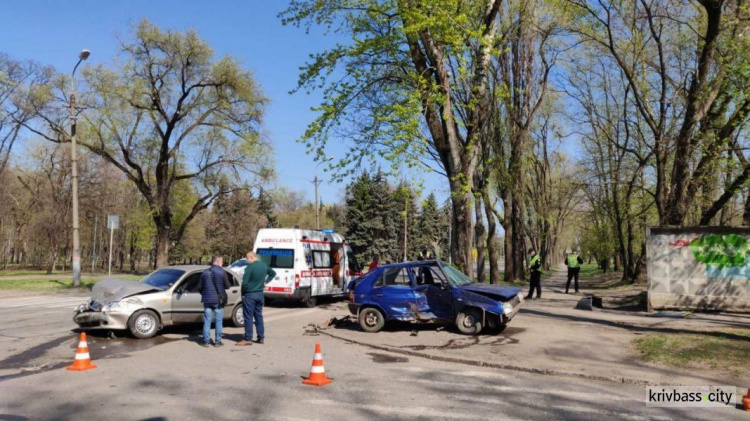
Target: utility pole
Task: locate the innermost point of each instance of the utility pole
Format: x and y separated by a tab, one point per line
93	258
317	183
317	206
406	224
74	171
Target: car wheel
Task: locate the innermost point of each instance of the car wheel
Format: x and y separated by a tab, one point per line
143	324
238	317
371	320
310	302
469	321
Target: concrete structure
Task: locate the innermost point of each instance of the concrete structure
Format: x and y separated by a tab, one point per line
699	268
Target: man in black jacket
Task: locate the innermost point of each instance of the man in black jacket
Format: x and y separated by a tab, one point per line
213	286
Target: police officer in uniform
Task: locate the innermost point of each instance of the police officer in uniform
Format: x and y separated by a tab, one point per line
535	266
425	254
573	261
425	274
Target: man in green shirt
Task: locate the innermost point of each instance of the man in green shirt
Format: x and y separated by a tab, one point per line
257	275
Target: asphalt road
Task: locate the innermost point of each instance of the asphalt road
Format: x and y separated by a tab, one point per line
172	377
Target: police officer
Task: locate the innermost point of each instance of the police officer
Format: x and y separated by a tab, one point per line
535	266
425	274
573	261
425	254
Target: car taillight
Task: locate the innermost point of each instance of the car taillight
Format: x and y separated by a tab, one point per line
296	281
351	297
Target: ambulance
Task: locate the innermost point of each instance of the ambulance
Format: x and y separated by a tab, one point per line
308	263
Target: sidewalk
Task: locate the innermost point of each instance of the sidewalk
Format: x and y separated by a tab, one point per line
549	336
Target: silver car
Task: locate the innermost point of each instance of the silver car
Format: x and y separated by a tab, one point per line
168	296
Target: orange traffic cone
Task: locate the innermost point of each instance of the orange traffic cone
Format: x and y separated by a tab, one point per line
82	361
317	372
746	400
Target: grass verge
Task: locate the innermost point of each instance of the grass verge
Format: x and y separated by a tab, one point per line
729	351
47	284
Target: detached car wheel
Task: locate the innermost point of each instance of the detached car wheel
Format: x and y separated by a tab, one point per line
238	317
469	321
143	324
371	320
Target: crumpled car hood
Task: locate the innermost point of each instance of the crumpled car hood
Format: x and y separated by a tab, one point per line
114	290
495	292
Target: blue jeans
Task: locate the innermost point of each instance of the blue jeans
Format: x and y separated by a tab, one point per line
252	309
209	311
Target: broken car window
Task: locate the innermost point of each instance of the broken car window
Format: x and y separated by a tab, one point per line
394	276
456	277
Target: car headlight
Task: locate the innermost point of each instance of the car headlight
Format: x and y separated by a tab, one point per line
520	296
122	305
507	307
81	308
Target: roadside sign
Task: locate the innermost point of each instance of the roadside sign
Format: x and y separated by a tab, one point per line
113	221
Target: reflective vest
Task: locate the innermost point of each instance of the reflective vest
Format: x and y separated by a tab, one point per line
573	261
534	259
425	256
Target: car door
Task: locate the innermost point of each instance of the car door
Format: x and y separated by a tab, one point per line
233	293
434	294
186	300
394	292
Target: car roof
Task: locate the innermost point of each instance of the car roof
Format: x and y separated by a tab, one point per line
186	268
413	262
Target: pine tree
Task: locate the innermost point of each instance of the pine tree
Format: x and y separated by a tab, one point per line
358	213
265	206
384	220
431	231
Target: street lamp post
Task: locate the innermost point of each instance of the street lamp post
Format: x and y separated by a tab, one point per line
74	162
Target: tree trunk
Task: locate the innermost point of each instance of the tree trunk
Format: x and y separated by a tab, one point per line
161	248
462	232
480	239
52	259
491	236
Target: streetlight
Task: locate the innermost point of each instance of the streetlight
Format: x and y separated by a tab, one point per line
317	182
73	159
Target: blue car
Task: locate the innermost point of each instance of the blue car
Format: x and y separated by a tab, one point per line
428	292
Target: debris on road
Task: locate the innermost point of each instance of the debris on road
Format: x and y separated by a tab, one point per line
414	333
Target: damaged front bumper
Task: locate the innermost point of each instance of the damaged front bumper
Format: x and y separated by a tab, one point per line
100	320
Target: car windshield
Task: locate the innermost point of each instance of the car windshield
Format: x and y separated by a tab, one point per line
239	263
163	278
455	277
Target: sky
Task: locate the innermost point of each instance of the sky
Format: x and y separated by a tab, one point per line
54	32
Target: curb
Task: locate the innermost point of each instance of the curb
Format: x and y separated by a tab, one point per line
476	363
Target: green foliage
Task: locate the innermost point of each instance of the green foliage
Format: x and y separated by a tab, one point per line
233	225
374	95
